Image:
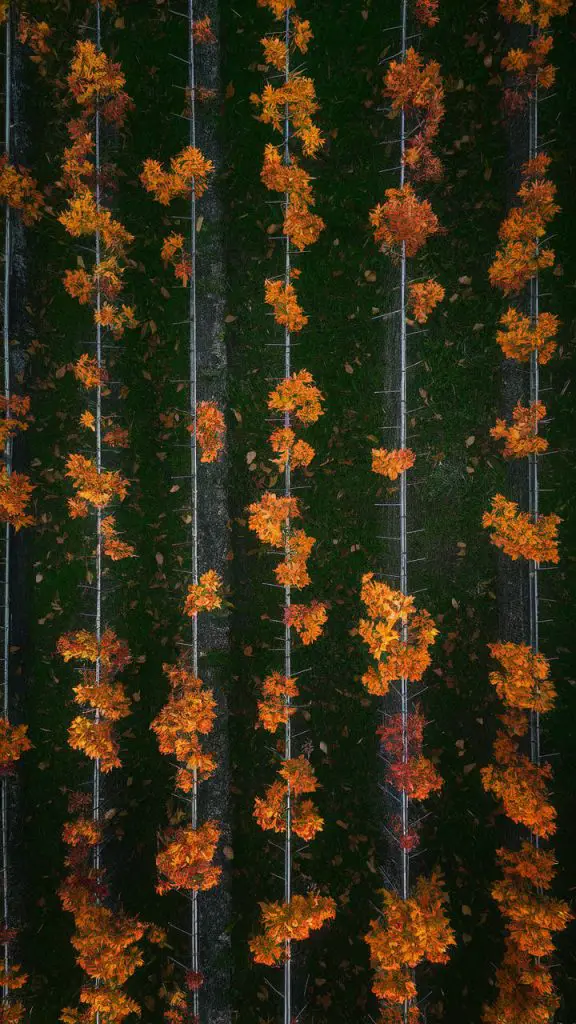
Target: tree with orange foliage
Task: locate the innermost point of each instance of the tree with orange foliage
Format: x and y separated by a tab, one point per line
426	12
520	337
285	922
299	395
301	226
416	87
269	516
521	785
185	862
287	311
204	596
290	449
19	189
188	169
13	743
389	612
15	492
412	931
97	487
521	436
392	463
519	534
210	429
403	220
101	699
423	297
524	679
521	256
307	620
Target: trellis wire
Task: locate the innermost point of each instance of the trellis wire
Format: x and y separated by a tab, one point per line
401	538
8	464
193	399
96	799
287	589
533	467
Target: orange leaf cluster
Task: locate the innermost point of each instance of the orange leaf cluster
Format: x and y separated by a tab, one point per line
35	34
521	786
423	297
186	860
173	251
521	436
290	450
202	30
13	977
275	708
270	811
16	414
531	916
530	66
96	488
269	517
533	12
275	52
307	619
115	548
293	572
301	226
15	491
526	992
210	430
403	219
391	615
189	712
287	922
392	463
287	311
278	7
412	931
416	87
106	943
19	190
299	395
521	257
524	680
13	742
426	12
520	337
96	83
204	596
519	534
409	770
89	732
188	169
297	96
82	217
88	372
95	79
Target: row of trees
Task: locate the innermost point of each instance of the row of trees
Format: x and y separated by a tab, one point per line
519	776
186	860
414	925
288	103
107	941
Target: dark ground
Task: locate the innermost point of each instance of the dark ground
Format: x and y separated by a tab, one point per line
457	390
